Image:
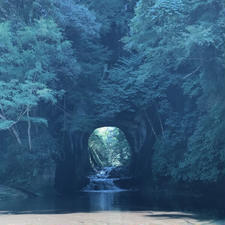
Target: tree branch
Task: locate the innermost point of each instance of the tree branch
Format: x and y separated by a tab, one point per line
29	128
193	72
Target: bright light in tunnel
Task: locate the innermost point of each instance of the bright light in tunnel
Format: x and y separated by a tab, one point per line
108	146
105	131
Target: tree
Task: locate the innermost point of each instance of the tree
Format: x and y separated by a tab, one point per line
33	61
17	101
109	147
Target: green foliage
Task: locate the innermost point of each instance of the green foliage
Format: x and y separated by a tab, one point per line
34	60
6	124
180	45
37	120
36	52
109	147
78	17
205	158
172	64
110	12
17	98
25	168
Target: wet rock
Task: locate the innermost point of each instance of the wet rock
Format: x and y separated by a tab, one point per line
119	172
125	183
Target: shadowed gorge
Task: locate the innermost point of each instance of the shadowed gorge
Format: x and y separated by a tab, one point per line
117	102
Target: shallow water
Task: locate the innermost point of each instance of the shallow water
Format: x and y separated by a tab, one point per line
111	208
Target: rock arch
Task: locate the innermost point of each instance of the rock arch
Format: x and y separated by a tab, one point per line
140	129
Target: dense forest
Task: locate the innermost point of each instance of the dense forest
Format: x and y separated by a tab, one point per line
153	68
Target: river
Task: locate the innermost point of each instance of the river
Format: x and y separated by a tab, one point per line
111	206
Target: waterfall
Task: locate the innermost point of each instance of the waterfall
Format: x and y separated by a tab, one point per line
102	182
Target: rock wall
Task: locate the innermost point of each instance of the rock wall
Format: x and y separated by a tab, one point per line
73	165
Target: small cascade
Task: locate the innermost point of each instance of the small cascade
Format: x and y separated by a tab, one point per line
102	182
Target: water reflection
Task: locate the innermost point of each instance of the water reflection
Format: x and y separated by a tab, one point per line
102	200
111	201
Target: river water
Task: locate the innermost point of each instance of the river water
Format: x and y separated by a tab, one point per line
111	206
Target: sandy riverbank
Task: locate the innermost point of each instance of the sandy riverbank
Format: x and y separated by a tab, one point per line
108	218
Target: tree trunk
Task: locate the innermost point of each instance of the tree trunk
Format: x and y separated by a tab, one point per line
29	129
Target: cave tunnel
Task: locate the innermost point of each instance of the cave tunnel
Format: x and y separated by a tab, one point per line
86	153
108	147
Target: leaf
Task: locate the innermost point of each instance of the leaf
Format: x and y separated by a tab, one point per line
6	124
47	94
39	120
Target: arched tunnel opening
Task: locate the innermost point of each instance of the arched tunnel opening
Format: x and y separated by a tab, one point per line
108	147
122	146
104	151
110	160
